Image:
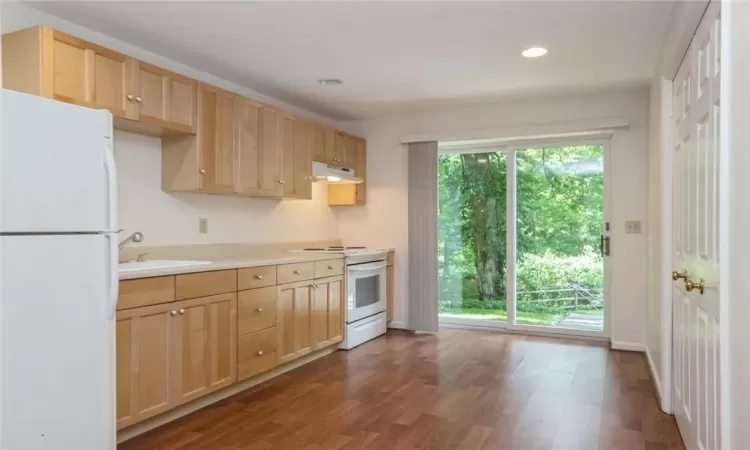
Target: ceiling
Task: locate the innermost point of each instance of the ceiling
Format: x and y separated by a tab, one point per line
394	57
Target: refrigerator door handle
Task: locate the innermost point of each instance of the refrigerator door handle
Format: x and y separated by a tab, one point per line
109	167
114	248
114	277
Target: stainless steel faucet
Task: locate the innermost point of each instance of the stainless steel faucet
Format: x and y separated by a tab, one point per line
135	237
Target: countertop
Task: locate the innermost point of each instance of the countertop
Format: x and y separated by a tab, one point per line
234	262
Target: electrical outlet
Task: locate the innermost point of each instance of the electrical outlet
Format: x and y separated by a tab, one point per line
203	226
633	226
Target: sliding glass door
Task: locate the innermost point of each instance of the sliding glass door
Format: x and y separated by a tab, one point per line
560	243
521	237
472	237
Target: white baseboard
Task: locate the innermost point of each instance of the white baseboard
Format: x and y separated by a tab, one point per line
400	325
656	377
628	346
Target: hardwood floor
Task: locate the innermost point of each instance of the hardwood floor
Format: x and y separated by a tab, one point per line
456	390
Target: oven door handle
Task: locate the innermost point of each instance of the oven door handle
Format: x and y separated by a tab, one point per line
366	267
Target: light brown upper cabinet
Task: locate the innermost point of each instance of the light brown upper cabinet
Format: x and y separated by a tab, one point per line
49	63
350	152
46	62
297	157
257	155
213	141
352	194
162	98
203	162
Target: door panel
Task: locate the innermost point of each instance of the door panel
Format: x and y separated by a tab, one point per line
164	98
294	316
696	326
216	136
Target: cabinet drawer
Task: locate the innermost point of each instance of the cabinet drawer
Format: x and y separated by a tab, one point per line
329	268
203	284
256	353
389	259
256	309
145	292
255	277
289	273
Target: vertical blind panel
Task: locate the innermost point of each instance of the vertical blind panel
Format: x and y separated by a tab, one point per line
423	263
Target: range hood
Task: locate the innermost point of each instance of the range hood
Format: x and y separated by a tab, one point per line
334	174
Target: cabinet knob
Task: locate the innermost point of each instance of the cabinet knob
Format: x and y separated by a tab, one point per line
283	181
182	311
296	272
258	277
279	181
130	97
260	352
330	267
260	310
138	99
202	171
173	313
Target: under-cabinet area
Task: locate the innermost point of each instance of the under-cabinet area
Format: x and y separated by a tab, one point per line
181	337
213	140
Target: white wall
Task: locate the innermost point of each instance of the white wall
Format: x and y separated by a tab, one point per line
383	222
659	235
172	219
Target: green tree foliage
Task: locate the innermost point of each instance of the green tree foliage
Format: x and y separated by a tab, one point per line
559	210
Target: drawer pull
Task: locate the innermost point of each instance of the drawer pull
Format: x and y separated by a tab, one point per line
258	277
260	310
260	352
296	272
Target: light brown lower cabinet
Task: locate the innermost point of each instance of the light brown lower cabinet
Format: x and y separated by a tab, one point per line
310	316
173	353
327	316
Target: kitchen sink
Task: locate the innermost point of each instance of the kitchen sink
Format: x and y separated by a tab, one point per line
132	266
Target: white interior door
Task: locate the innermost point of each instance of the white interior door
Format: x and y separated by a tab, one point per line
695	298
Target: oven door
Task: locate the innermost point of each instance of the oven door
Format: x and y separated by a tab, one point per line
365	286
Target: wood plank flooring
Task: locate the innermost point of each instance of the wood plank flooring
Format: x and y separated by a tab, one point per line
455	390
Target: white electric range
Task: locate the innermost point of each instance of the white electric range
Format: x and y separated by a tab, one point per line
365	292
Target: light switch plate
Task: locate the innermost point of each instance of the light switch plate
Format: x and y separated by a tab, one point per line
633	226
203	226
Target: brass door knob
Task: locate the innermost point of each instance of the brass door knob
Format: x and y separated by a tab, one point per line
690	285
677	275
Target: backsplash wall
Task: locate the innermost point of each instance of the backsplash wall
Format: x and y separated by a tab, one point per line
173	218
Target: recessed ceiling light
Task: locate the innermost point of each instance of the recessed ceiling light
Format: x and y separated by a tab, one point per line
330	81
534	52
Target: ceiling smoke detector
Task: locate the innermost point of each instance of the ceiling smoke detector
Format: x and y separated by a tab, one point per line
330	81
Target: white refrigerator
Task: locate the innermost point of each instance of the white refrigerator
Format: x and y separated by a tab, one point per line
58	276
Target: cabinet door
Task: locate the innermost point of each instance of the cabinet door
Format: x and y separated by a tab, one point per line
163	98
205	340
335	147
87	74
256	149
360	170
294	317
318	143
143	352
297	181
327	318
350	152
216	135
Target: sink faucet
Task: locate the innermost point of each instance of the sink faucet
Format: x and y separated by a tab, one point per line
135	237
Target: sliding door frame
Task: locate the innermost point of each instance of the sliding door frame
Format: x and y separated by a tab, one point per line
510	147
511	238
